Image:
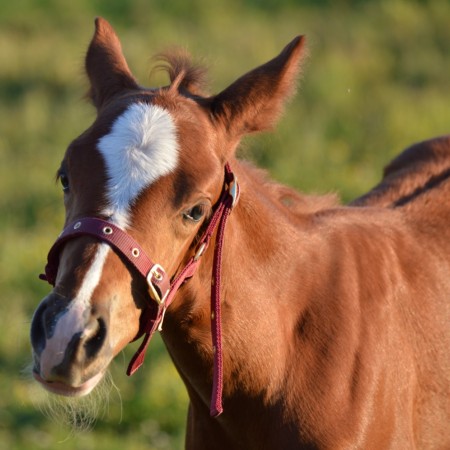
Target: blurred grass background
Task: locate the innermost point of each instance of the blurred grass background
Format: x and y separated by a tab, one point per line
377	80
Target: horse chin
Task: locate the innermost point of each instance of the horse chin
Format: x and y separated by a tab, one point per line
62	389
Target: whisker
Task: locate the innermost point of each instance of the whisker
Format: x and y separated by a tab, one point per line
75	413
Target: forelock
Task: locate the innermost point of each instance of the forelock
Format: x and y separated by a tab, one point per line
183	73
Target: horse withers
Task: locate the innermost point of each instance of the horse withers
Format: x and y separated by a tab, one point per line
294	322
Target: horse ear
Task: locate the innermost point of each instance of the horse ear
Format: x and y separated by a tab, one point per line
106	66
255	101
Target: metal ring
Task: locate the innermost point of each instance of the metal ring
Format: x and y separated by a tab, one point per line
107	230
135	252
77	225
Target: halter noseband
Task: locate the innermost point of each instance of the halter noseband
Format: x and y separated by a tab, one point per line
161	289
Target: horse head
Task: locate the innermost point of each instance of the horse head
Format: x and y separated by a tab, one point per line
151	165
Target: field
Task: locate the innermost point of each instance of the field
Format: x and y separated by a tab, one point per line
377	80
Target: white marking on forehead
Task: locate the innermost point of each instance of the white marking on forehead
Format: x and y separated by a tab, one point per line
141	147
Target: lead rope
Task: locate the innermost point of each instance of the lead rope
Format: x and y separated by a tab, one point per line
216	407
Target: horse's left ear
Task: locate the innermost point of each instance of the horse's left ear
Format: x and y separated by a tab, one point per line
255	101
106	66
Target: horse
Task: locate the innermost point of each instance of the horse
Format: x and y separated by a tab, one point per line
295	322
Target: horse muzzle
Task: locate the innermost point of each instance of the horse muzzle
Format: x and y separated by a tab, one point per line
70	346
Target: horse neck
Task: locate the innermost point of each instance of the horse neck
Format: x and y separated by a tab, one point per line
259	244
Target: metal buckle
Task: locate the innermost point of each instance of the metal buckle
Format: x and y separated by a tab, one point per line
200	251
233	190
151	288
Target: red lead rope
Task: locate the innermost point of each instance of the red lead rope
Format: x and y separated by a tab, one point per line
216	322
161	290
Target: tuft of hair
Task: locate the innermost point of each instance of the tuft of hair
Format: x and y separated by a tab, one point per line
184	74
77	414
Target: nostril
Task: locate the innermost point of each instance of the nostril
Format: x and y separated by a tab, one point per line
94	337
44	320
37	332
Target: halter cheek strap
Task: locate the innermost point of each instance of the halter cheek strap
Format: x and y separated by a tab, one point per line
161	290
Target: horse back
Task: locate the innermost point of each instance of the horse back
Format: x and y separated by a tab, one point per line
420	172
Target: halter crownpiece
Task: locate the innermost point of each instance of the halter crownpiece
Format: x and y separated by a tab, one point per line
161	289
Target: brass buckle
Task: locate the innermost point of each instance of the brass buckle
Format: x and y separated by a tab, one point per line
151	288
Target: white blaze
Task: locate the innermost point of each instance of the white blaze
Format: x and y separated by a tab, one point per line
140	148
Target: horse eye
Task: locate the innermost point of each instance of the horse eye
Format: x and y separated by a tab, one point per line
64	182
195	214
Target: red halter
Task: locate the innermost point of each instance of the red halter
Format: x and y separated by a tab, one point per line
161	289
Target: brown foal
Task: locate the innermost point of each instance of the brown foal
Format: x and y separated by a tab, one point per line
334	320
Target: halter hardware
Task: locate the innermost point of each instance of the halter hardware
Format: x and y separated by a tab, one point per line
199	253
156	273
233	189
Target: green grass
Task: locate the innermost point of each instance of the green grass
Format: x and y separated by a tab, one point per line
376	81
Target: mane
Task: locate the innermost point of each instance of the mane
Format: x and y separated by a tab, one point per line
184	74
289	199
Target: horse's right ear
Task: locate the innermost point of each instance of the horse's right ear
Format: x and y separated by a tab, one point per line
106	66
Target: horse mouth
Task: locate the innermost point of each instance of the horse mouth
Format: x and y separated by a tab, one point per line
60	388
